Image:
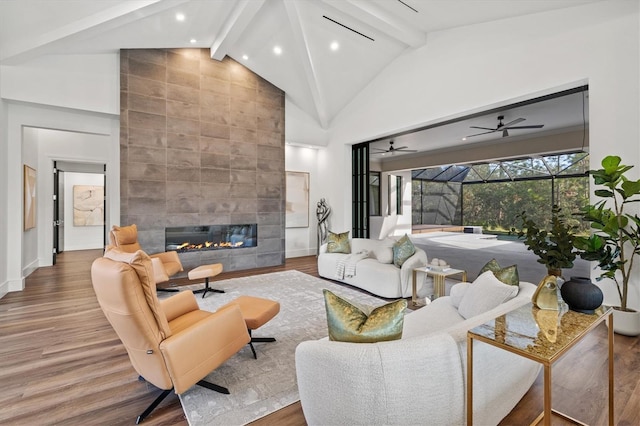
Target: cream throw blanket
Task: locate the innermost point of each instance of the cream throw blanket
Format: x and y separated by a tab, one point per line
346	266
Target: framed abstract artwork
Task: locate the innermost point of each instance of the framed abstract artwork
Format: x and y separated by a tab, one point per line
29	198
88	205
297	201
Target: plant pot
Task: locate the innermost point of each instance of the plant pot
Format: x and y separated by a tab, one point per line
581	295
554	272
626	322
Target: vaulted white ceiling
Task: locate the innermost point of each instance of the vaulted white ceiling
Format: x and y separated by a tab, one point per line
316	78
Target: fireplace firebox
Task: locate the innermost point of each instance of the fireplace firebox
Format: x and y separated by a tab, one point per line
210	237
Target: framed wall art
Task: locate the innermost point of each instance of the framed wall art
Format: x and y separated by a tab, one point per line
297	200
29	199
88	205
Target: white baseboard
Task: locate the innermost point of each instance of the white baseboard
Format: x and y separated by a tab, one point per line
4	289
299	253
30	268
15	285
82	247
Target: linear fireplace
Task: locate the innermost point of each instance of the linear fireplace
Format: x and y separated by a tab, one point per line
210	237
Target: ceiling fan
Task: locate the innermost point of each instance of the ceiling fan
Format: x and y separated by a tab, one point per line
392	149
504	128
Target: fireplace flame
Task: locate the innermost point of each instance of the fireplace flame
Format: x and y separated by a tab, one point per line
188	246
210	237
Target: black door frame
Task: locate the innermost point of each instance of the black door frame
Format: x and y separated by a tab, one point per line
78	167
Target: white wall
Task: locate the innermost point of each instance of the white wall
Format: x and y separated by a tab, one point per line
77	147
403	223
4	205
303	241
80	136
495	63
80	237
390	223
85	82
78	93
335	163
30	236
302	129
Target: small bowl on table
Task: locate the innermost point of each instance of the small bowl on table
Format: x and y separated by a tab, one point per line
438	268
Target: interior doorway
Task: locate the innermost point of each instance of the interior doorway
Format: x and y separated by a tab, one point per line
79	206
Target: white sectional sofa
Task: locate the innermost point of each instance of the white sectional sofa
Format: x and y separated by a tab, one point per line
376	273
419	379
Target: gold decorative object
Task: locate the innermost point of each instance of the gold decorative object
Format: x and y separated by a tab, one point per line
548	322
546	295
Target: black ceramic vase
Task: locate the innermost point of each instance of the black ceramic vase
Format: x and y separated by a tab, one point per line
581	295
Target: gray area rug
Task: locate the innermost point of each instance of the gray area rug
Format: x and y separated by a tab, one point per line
262	386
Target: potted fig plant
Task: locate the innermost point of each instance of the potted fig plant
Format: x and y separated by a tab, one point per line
616	238
554	247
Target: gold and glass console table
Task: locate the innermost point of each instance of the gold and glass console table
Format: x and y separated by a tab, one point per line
439	275
542	336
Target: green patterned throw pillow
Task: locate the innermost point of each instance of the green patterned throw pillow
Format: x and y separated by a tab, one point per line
350	323
338	243
402	250
508	275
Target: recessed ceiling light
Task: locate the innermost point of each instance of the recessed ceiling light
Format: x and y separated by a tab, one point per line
464	139
245	57
193	40
277	50
334	45
180	17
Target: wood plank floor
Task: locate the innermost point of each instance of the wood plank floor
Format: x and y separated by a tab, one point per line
61	363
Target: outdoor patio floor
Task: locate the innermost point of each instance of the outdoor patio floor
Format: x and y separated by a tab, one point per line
472	251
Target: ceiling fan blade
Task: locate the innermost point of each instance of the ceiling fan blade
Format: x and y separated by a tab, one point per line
483	133
533	126
406	150
511	123
400	147
380	150
483	128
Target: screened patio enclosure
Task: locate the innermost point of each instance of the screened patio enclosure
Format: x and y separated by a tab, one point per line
492	194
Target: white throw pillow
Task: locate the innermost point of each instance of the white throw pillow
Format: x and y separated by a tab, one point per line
457	293
384	254
484	294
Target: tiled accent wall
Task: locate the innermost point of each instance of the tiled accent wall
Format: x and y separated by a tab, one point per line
201	143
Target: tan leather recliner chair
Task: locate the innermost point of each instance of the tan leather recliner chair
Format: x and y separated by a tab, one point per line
165	264
171	343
